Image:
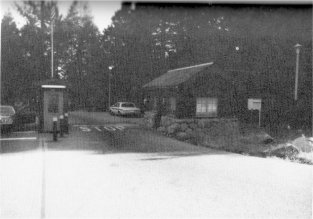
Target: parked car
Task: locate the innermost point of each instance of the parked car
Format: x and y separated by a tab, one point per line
7	117
26	119
125	108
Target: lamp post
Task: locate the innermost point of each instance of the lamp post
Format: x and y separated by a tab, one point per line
110	68
297	46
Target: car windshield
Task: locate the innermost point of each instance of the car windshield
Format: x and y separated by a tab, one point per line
128	105
6	111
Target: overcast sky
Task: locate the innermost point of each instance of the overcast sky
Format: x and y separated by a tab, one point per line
102	11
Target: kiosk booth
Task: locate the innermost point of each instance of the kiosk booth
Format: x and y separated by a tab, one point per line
52	103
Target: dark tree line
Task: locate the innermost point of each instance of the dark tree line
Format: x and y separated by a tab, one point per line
145	41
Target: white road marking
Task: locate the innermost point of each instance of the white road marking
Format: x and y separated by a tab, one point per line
109	128
84	129
97	128
120	127
18	139
109	124
43	180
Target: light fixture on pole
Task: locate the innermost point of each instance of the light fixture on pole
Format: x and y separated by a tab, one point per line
297	46
110	68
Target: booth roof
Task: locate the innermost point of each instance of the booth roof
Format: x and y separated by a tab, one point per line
51	82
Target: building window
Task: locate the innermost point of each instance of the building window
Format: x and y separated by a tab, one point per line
53	104
172	101
206	107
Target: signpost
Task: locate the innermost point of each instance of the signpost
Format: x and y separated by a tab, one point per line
297	46
255	104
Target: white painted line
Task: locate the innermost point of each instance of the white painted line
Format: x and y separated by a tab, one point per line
84	129
120	127
109	128
17	139
97	128
43	179
110	124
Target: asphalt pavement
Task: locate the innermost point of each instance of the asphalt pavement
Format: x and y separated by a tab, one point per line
110	167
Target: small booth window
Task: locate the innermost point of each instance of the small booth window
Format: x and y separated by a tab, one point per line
53	104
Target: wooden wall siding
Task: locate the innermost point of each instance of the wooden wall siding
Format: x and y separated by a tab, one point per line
185	107
206	84
232	102
160	93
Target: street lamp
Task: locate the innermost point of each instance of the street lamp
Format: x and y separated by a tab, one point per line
110	68
297	46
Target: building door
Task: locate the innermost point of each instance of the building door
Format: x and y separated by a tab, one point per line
53	107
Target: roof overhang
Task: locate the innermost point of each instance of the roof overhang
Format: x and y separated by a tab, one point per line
175	77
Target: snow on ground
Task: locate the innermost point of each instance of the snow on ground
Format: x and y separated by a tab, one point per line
20	185
307	156
131	185
81	176
85	184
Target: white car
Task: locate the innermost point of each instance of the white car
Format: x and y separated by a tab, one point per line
125	108
7	117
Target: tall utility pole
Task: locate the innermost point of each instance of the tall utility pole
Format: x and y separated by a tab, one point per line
159	108
42	69
52	23
297	46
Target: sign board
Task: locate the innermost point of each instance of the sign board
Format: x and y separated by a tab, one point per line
254	104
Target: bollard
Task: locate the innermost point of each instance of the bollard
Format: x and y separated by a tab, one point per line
61	126
55	128
66	123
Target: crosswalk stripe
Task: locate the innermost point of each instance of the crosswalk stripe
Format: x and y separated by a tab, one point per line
97	128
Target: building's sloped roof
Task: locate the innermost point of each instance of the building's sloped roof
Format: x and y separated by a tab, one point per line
176	76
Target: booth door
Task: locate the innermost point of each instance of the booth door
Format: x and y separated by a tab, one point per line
53	107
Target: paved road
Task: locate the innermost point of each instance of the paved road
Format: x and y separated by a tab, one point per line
112	168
